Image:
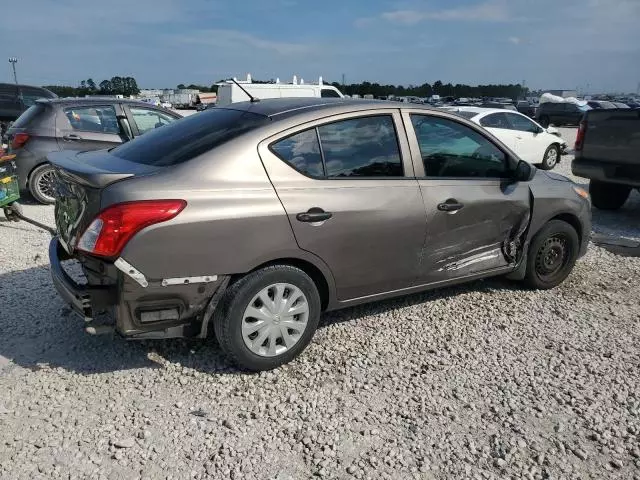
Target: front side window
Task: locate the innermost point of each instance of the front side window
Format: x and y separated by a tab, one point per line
495	120
359	147
147	119
99	119
450	149
522	124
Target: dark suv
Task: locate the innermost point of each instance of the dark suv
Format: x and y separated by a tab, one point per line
75	124
15	99
560	113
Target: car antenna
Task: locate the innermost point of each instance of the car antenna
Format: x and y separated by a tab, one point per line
253	99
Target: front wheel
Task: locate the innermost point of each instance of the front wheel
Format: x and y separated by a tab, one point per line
544	121
552	255
41	184
550	158
268	317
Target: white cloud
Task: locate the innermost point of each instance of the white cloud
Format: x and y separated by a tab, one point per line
515	40
491	11
235	39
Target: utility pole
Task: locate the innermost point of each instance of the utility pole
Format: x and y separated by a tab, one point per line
13	61
343	79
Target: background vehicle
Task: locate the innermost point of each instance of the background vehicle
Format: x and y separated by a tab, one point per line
620	105
526	108
533	143
229	92
15	99
600	104
328	185
607	152
549	113
75	124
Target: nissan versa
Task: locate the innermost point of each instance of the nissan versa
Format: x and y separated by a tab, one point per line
254	218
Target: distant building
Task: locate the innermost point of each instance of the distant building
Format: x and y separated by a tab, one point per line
150	92
563	93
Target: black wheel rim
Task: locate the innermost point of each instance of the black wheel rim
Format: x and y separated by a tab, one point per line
45	185
553	257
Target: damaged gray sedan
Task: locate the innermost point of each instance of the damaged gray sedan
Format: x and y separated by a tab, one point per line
252	219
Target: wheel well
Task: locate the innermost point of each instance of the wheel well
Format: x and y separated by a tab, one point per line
34	167
571	220
308	268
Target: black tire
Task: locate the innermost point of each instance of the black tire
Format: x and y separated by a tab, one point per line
38	180
228	318
548	160
608	196
544	121
552	255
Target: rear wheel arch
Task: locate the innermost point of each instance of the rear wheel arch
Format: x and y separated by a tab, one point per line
316	274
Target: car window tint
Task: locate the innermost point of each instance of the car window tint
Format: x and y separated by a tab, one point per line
495	120
192	136
361	147
147	119
302	152
99	119
521	123
450	149
329	93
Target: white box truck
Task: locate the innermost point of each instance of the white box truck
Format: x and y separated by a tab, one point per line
230	92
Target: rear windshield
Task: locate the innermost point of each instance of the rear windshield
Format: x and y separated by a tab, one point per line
28	115
466	114
189	137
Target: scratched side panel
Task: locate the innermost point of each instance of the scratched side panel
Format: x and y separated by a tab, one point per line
485	234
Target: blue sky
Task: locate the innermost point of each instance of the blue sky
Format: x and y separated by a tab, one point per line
592	44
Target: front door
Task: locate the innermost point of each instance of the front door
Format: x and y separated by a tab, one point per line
349	191
88	127
499	126
531	143
475	213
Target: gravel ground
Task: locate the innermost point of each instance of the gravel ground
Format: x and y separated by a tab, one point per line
475	382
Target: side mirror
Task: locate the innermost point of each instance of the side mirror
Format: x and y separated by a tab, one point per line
522	172
539	130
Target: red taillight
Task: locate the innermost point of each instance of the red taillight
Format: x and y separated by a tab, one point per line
19	139
580	136
114	226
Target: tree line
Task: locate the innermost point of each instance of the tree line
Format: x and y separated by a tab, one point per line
128	86
116	86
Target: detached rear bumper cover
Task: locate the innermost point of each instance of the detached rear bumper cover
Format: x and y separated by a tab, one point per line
85	300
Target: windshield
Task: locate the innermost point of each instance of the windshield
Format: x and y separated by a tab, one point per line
466	114
189	137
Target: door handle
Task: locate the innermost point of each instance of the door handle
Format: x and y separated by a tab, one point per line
450	206
72	137
314	214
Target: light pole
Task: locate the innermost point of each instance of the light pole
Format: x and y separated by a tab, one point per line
13	61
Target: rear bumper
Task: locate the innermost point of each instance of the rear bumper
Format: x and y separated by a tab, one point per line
607	172
85	300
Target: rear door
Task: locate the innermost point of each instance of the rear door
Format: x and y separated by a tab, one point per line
475	213
145	119
498	125
531	144
349	191
89	127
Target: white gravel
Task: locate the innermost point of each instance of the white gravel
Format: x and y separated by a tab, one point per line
476	382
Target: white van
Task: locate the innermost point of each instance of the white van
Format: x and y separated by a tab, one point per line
229	92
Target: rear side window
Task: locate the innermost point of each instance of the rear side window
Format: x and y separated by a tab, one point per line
329	93
29	115
99	119
360	147
189	137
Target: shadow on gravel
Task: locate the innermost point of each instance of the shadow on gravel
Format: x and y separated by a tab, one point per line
38	331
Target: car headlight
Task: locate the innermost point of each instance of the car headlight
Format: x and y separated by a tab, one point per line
581	192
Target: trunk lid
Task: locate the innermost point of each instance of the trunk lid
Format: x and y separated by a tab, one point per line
80	180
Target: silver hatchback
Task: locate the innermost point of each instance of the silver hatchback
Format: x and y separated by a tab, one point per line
254	218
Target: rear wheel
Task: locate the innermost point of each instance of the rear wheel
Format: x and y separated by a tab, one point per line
551	157
41	184
608	196
268	317
552	255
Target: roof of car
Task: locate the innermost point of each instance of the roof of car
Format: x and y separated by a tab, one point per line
286	107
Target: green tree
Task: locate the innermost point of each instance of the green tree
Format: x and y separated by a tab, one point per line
105	87
181	86
91	85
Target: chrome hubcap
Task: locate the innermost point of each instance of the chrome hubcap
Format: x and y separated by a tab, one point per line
275	319
45	184
552	157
